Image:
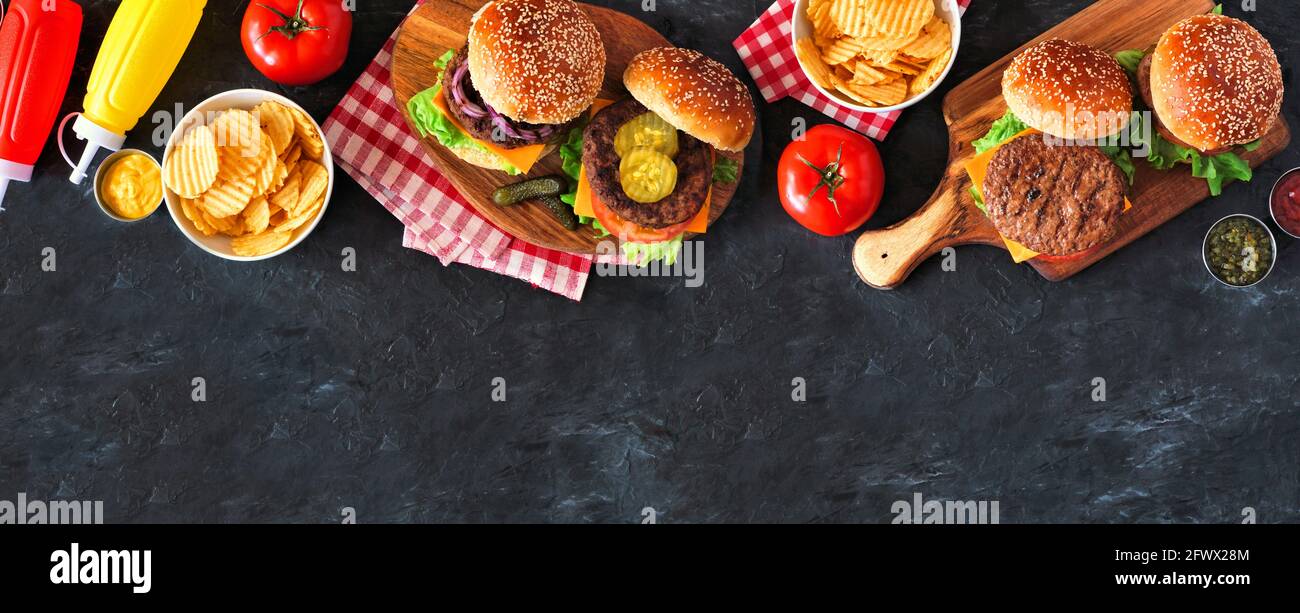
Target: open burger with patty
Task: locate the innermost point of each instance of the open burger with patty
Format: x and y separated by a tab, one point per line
649	162
1046	174
1213	85
529	72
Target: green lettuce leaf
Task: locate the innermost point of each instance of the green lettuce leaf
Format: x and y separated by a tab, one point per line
571	160
1218	9
430	121
1131	59
725	171
979	200
1006	127
642	254
1218	170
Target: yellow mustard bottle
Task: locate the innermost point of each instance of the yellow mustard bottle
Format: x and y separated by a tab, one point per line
140	52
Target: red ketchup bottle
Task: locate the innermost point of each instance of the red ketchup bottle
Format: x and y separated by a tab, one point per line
38	44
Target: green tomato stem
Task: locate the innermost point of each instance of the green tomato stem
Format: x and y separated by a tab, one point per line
830	178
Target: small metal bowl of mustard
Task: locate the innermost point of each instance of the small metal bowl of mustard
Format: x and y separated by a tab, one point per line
1240	251
128	186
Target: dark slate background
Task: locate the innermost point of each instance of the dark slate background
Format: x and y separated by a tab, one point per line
371	390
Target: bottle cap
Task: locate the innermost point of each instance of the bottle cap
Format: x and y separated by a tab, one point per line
96	138
10	171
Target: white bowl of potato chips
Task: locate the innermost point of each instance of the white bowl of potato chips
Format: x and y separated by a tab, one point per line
247	175
876	55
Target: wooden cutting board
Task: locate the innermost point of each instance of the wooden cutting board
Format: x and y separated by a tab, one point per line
884	258
441	25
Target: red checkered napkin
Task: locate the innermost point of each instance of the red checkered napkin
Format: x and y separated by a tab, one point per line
768	52
373	144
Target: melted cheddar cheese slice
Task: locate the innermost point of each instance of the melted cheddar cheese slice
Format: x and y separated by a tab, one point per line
522	158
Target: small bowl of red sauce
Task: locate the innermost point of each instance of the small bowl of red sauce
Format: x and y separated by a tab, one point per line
1284	203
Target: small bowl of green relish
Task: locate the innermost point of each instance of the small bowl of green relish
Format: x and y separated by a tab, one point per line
1240	251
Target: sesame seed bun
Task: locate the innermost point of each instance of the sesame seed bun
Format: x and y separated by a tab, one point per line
1215	82
695	94
536	61
1069	90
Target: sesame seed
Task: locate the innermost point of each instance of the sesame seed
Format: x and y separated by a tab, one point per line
695	86
554	54
1220	79
1074	81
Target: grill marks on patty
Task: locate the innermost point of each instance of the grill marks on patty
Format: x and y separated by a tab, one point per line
1054	199
694	171
482	128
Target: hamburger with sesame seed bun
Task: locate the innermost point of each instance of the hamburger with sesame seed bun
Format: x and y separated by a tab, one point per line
536	62
696	94
528	73
1040	175
649	162
1068	89
1213	82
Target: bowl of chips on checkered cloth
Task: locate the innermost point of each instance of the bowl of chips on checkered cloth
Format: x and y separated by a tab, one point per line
876	55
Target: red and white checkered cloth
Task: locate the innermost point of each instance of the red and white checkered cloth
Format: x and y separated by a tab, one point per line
767	50
371	141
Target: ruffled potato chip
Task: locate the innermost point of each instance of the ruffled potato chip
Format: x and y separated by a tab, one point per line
278	123
192	165
228	198
308	135
932	42
897	18
257	216
309	212
194	213
875	53
315	179
255	245
286	198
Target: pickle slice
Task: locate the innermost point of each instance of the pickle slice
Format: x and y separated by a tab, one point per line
648	131
647	175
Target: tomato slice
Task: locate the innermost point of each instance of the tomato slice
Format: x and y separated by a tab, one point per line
1062	259
629	232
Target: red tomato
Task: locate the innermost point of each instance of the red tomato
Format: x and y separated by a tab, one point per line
831	182
630	232
297	42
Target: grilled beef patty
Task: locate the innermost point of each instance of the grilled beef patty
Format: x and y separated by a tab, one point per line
1054	199
482	128
694	171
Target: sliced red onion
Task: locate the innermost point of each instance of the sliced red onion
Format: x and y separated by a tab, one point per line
501	123
458	94
507	127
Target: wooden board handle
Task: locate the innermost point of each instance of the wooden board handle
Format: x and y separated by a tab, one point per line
884	258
